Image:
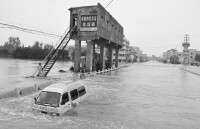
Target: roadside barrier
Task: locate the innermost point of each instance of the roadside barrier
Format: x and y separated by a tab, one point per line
29	90
24	91
9	94
198	74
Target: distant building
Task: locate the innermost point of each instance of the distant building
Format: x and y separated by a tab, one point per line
169	53
180	57
144	57
123	52
137	54
135	51
192	55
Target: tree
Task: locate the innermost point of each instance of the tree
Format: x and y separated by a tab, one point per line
12	44
174	59
37	45
48	46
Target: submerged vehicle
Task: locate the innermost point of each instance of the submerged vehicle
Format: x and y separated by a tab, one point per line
58	98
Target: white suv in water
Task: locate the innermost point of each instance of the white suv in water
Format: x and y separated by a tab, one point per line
60	97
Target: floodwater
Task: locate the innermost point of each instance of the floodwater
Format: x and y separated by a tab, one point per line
143	96
13	72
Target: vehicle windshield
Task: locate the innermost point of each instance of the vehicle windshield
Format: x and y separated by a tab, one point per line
48	98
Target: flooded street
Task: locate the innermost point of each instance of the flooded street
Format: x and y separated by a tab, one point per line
13	72
143	96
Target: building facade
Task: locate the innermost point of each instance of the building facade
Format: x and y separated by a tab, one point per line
123	52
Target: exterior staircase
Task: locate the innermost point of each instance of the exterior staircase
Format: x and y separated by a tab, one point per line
54	54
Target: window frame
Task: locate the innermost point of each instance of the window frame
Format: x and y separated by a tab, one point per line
72	97
81	89
64	99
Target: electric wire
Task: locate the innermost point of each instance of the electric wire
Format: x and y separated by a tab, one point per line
32	31
109	3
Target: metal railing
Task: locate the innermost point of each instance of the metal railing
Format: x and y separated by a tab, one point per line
52	49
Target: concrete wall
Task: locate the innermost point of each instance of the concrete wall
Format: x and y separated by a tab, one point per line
24	91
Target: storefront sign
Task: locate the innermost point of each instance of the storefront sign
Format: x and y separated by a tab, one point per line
88	23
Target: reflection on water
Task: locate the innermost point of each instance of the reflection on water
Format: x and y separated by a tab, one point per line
143	96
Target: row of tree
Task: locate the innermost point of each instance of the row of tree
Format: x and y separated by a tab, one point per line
14	48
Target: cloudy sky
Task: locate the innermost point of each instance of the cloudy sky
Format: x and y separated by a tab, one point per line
153	25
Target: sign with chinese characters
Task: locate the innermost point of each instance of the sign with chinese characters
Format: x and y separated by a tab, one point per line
88	23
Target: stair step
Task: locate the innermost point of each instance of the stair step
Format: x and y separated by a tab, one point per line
52	57
48	65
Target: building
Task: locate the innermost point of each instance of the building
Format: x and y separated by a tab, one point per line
124	51
136	54
169	53
95	25
180	57
143	57
191	55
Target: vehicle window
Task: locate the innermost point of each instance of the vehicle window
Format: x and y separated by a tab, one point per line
74	94
65	98
49	98
81	90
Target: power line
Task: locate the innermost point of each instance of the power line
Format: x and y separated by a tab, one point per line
32	31
109	3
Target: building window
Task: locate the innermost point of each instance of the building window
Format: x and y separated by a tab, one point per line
107	25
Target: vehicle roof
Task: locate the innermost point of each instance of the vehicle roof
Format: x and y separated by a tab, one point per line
64	86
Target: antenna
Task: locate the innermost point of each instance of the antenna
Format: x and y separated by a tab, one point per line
186	38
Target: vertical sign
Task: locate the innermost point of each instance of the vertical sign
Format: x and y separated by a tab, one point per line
88	23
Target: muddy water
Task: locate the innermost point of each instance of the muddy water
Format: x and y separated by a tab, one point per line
143	96
13	72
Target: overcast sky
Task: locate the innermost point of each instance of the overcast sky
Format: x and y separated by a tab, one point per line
153	25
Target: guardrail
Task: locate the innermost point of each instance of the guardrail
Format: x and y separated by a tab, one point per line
190	71
92	74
